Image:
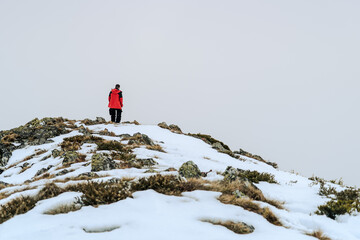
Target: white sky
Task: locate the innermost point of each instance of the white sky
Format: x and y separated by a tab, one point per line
276	78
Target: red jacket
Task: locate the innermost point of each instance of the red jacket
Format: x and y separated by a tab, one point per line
115	99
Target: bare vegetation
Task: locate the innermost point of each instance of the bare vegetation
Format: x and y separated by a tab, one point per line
236	227
319	235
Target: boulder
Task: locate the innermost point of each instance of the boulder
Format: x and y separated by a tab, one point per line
70	157
56	153
102	162
43	170
189	170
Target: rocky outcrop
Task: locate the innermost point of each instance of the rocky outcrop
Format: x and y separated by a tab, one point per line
43	170
102	162
189	170
140	139
172	127
71	157
256	157
35	132
98	120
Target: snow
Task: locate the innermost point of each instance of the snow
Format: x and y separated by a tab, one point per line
151	215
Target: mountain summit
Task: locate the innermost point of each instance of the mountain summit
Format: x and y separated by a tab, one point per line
90	179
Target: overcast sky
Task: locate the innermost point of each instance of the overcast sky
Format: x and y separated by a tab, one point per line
277	78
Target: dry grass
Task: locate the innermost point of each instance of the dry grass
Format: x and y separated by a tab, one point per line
106	132
10	138
63	209
319	235
155	148
251	206
236	227
25	168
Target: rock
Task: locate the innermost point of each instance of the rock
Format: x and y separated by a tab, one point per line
125	135
56	153
35	132
190	170
218	146
84	131
26	164
5	155
163	125
239	194
100	120
147	162
151	171
63	172
256	157
43	170
2	170
70	157
171	127
232	174
4	183
89	174
143	138
175	128
171	169
102	162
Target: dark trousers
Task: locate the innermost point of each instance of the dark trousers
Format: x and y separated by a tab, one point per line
115	115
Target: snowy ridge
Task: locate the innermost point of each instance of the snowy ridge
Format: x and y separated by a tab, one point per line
152	215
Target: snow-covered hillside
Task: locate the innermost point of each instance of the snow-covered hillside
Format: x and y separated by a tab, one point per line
62	179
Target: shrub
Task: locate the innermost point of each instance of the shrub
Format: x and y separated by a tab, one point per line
335	207
15	207
111	145
74	143
96	193
346	201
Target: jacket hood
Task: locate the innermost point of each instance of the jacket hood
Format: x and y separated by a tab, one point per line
115	90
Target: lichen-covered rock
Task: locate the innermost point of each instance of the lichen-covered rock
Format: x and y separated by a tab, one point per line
70	157
143	138
231	174
175	128
56	153
218	146
100	120
35	132
147	162
89	174
102	162
63	172
171	127
256	157
84	131
43	170
190	170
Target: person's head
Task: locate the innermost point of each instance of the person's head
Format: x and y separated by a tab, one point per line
117	86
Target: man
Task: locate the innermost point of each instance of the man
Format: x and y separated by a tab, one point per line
115	104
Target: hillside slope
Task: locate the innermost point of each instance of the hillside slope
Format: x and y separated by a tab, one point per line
63	179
